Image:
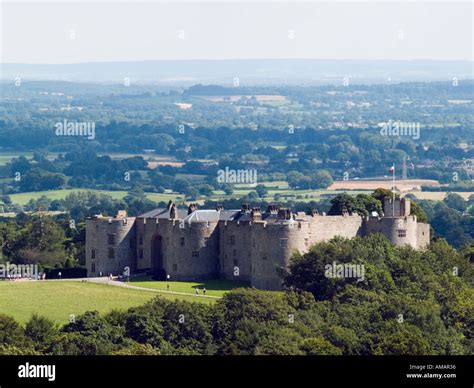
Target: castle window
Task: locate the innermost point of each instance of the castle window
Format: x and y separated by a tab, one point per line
92	267
111	253
181	241
283	243
175	267
132	243
140	240
93	254
402	233
140	253
236	263
234	252
306	242
231	240
111	239
195	254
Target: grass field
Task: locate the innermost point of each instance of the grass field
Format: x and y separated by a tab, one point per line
213	287
24	198
440	195
57	300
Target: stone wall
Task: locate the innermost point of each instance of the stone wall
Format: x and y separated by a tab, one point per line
98	231
254	252
235	247
400	230
188	250
324	228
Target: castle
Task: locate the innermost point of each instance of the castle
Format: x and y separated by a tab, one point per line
246	244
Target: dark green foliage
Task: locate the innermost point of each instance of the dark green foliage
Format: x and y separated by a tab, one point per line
409	302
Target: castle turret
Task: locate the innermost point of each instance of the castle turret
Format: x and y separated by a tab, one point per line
399	208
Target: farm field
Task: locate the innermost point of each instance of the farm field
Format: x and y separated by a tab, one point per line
439	195
24	198
403	185
213	287
58	299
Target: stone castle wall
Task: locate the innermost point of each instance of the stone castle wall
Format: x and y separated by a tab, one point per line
235	249
248	251
188	250
99	244
324	228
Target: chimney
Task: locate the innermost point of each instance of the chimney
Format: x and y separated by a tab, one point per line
255	214
314	212
121	214
172	211
192	207
219	208
345	212
245	208
168	207
285	214
272	209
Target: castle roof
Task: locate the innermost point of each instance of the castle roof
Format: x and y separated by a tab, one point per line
211	215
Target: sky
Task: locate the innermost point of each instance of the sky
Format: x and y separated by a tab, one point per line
90	31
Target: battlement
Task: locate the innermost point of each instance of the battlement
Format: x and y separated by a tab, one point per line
194	244
399	208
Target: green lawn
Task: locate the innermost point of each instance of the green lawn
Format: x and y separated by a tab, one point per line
57	300
24	198
213	287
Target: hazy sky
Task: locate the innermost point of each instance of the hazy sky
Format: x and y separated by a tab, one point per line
70	32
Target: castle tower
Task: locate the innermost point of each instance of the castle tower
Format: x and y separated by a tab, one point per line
110	244
399	208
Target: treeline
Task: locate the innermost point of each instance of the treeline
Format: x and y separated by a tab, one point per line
58	241
409	302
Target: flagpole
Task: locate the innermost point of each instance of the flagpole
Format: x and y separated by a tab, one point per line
393	191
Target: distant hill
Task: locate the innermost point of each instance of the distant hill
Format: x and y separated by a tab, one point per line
247	71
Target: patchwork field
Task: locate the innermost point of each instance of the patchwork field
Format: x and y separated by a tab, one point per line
58	299
403	185
440	195
24	198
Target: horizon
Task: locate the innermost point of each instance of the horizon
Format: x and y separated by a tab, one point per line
71	33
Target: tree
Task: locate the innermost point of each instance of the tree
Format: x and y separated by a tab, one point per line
455	201
321	179
318	346
381	194
41	331
11	333
261	190
181	185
